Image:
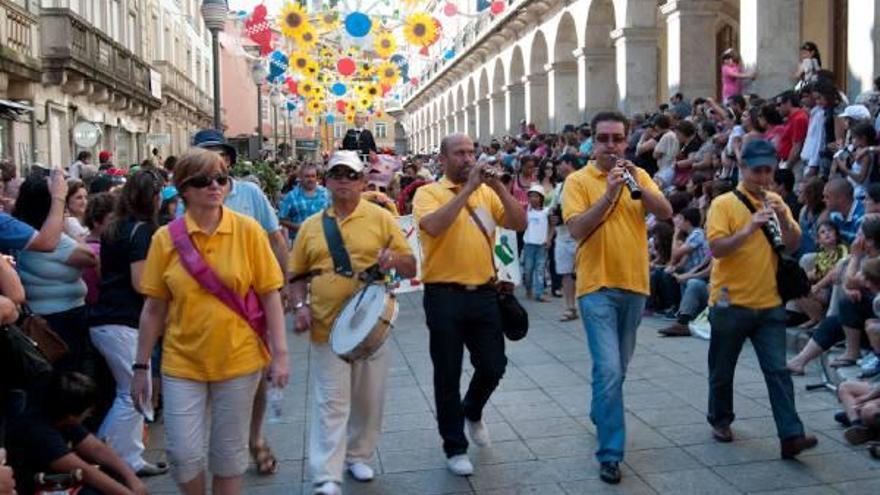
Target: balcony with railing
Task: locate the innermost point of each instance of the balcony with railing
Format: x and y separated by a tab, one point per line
71	45
179	86
19	41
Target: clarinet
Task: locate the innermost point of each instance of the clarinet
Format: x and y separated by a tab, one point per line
772	225
635	192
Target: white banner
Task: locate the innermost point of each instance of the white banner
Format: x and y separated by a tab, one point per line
411	233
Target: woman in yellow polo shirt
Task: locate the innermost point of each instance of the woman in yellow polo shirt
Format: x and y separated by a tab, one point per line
212	358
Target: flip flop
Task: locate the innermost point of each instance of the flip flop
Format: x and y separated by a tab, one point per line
264	459
842	363
569	315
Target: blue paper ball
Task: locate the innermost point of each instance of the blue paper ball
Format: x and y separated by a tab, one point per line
338	89
331	118
358	24
449	54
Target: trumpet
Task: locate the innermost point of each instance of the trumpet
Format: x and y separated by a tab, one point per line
495	173
635	191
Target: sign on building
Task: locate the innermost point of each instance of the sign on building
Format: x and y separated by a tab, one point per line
161	139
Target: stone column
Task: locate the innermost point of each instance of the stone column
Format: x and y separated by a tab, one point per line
863	26
459	121
770	32
597	88
514	107
536	94
470	120
692	65
562	94
496	111
484	118
637	70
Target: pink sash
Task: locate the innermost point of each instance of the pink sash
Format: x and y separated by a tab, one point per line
249	309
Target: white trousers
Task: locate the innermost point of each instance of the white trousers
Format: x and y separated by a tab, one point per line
346	416
123	428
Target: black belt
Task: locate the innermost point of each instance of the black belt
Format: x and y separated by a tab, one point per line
460	287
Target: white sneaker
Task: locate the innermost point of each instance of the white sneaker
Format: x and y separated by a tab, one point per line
478	432
361	471
868	362
460	465
328	488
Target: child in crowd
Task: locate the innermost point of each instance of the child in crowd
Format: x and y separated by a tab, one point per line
832	250
98	213
536	239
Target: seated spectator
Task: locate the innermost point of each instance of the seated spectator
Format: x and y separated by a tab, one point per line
50	438
861	411
862	170
872	198
821	275
686	134
843	209
813	208
783	185
689	269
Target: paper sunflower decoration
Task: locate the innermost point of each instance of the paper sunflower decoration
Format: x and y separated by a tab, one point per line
293	20
365	71
328	21
315	106
388	73
364	103
300	62
312	69
349	118
419	29
309	120
372	90
307	88
385	44
306	38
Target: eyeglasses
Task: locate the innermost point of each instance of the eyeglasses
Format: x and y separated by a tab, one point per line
339	173
203	181
609	138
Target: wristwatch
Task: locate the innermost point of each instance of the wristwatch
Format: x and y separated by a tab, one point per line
140	366
300	305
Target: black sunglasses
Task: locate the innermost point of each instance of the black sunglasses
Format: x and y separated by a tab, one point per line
340	173
203	181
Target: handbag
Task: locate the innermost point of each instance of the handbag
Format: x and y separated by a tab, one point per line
791	280
514	317
37	329
249	308
25	361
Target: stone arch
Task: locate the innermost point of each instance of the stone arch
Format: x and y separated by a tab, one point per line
496	100
515	108
483	116
563	76
600	88
536	83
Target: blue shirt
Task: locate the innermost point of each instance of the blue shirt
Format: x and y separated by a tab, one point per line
697	240
586	148
849	226
14	234
296	206
248	199
52	286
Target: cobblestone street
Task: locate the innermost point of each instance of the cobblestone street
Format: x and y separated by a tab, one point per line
543	441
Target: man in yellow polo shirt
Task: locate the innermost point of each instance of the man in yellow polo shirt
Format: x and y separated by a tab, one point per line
347	397
612	272
461	305
745	301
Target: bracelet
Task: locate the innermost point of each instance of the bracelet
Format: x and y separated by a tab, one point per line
140	366
54	198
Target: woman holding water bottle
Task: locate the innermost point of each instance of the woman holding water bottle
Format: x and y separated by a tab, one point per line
213	353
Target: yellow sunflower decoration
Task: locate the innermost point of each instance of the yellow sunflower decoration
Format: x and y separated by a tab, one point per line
300	61
309	120
372	90
349	117
364	103
306	38
419	29
385	44
365	71
312	69
315	106
307	88
293	20
388	73
328	21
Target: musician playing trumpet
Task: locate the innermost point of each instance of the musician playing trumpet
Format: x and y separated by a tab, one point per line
612	270
347	398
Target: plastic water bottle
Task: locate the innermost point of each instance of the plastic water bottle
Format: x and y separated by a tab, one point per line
275	399
724	299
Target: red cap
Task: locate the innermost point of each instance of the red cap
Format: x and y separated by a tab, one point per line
104	156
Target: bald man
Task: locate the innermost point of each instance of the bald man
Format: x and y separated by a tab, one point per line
845	211
360	138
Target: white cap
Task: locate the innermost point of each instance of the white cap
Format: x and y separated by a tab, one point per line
856	112
537	188
346	158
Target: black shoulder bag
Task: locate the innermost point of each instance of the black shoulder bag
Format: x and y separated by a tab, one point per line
791	279
514	318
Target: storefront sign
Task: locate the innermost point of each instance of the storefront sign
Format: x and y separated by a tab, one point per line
86	134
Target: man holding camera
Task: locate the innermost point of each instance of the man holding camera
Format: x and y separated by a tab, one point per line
608	221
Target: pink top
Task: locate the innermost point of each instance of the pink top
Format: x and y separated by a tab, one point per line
730	84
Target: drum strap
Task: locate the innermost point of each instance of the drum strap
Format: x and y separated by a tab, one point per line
341	260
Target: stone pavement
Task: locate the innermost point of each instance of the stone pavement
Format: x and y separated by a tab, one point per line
543	441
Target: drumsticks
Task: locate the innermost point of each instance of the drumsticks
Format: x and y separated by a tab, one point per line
370	279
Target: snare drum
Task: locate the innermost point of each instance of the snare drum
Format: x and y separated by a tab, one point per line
364	323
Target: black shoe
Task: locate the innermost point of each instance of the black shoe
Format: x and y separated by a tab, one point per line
609	472
842	418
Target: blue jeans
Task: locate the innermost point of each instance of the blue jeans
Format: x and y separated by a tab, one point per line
534	261
611	318
694	298
731	327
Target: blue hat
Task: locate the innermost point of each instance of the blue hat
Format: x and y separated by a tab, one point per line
168	193
212	138
759	153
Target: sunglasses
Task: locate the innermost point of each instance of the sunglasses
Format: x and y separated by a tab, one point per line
343	173
203	181
609	138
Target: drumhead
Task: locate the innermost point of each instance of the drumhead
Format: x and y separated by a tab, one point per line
352	325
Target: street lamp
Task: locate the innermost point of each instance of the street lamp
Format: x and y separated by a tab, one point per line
259	74
276	99
214	14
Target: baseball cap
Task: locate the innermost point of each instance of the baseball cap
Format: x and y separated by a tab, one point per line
856	112
346	158
537	189
212	138
169	193
104	156
759	153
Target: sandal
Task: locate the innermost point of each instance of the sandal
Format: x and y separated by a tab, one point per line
842	362
569	315
264	459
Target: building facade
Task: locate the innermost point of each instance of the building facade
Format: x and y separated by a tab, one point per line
557	63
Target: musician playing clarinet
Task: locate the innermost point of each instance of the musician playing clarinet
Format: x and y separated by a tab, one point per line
604	206
457	217
347	398
745	301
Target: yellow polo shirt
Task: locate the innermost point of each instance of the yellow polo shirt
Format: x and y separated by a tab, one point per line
615	256
365	232
460	254
749	273
204	339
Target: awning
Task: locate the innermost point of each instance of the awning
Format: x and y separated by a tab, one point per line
18	107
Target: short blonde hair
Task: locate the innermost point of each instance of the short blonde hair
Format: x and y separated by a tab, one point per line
196	161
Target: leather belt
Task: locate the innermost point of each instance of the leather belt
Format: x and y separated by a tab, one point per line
461	287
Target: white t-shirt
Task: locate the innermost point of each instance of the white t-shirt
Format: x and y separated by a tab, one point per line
74	229
538	223
668	145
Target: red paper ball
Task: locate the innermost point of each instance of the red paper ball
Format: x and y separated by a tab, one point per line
340	106
450	9
497	7
346	66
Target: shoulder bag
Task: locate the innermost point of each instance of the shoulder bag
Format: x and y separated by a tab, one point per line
791	279
514	318
37	329
249	308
